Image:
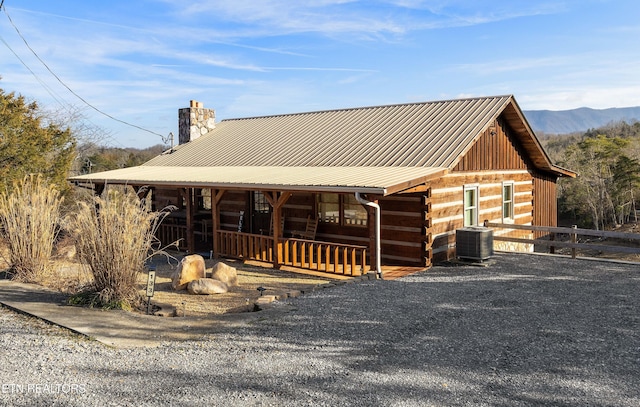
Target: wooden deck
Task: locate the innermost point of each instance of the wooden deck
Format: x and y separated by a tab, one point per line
394	272
388	272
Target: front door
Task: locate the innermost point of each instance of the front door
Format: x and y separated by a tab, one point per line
260	214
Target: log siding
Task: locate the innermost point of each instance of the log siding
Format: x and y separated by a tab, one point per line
418	227
497	157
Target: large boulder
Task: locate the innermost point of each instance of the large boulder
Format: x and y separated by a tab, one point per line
207	286
191	268
225	273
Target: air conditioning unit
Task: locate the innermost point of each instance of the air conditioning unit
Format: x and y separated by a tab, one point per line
474	242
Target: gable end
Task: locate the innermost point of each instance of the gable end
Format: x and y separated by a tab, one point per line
496	149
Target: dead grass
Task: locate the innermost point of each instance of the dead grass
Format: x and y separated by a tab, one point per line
30	219
70	277
113	236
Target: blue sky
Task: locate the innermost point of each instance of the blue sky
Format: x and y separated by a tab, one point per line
142	60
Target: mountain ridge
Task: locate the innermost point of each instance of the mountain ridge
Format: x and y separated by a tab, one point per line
578	120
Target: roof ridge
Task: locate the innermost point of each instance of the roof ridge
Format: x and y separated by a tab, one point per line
347	109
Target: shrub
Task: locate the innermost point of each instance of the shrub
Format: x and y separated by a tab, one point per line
114	237
30	218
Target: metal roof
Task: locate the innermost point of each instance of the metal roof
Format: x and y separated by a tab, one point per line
432	134
380	148
374	180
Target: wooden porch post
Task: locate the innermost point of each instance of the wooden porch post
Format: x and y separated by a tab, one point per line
216	197
191	244
277	203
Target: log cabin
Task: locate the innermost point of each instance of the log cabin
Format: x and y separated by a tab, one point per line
375	186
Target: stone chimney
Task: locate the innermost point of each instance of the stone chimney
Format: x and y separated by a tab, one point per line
194	121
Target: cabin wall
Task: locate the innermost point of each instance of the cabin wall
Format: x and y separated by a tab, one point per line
447	205
231	204
163	197
296	210
497	157
402	227
301	205
545	199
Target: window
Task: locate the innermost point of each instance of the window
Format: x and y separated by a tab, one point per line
260	203
507	201
341	210
471	206
204	199
329	208
353	211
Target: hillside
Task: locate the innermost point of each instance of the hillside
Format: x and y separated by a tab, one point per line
578	120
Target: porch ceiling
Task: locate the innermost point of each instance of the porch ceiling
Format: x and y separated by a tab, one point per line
372	180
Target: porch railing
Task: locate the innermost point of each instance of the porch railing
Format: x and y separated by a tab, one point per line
245	246
169	233
327	257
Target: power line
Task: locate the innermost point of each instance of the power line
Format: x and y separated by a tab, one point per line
64	84
44	85
63	103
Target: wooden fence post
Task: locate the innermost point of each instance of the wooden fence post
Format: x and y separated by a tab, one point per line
574	239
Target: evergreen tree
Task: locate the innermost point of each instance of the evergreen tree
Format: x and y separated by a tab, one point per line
30	144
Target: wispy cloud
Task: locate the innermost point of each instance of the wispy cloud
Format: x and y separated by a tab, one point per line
460	13
280	17
319	69
247	57
512	65
336	17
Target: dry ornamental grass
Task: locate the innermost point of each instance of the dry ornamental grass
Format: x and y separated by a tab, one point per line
30	218
114	236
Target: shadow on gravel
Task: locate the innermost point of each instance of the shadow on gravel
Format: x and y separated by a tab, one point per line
527	330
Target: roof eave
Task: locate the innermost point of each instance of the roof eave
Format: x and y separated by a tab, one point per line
543	161
239	186
394	189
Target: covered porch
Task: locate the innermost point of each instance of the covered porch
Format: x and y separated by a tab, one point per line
254	213
259	234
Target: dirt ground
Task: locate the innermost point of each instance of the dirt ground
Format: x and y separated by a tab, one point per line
238	299
70	277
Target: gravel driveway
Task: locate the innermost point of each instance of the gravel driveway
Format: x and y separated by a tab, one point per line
526	330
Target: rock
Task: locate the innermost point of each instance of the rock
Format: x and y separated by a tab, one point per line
294	294
225	273
207	286
190	268
265	299
164	310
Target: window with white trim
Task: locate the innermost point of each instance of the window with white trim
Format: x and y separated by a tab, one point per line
507	201
471	205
